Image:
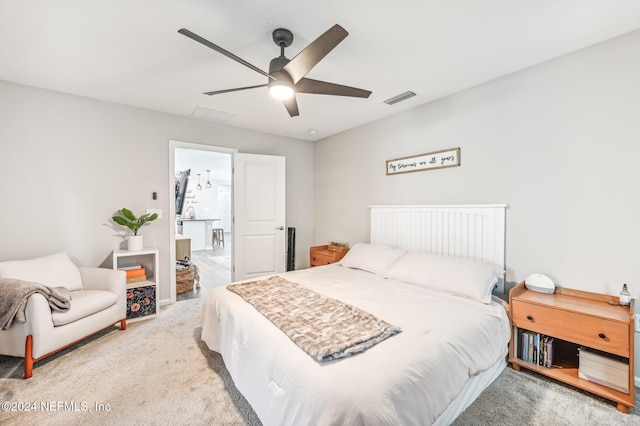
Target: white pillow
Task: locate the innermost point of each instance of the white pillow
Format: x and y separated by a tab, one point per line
465	277
374	258
54	270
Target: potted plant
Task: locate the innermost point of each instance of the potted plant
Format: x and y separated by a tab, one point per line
126	218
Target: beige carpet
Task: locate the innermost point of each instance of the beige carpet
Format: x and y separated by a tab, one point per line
526	398
156	372
159	372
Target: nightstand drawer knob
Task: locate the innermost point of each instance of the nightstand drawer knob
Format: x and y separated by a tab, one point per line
529	317
602	336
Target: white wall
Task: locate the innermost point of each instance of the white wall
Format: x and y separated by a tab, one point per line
68	163
557	142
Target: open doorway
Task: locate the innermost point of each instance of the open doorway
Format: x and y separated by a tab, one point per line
203	229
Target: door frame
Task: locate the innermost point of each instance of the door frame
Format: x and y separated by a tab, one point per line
173	145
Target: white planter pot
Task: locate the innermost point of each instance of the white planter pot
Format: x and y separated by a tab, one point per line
134	242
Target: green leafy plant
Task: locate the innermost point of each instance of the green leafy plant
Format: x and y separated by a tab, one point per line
126	218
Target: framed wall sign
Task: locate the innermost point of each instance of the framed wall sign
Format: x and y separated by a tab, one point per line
428	161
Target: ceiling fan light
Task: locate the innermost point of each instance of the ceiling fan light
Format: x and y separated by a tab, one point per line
281	91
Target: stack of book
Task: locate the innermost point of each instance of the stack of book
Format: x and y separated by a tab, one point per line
534	347
604	368
135	273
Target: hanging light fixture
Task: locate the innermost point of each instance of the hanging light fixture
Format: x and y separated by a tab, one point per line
208	182
199	187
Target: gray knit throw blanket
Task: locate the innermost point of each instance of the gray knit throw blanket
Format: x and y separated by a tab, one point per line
325	328
14	294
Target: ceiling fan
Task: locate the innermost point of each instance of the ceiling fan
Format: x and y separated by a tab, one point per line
286	76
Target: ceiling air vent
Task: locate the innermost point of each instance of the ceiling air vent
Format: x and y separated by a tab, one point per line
399	98
211	114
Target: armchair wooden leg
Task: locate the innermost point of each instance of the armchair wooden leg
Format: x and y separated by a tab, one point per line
28	358
28	349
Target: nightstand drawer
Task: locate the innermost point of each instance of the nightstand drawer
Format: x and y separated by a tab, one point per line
322	255
597	333
318	259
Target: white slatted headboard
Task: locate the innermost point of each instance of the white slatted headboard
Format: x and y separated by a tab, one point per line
468	231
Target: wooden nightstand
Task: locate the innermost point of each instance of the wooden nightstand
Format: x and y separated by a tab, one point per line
321	255
575	319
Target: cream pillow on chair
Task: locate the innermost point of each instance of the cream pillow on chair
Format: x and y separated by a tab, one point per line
54	270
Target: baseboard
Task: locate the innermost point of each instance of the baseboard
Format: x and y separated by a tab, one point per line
165	302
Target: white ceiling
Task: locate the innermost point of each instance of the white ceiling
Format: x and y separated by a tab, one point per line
129	51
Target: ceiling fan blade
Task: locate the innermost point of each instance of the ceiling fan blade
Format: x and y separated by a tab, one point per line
219	49
307	85
292	106
218	92
299	66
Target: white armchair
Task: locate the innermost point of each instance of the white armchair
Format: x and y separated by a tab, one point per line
98	302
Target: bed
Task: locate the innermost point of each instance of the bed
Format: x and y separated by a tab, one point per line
429	270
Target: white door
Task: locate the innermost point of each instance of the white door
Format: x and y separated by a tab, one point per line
259	212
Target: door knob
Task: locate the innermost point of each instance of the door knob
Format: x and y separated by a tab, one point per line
281	228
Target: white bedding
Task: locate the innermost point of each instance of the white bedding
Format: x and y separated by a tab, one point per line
410	378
